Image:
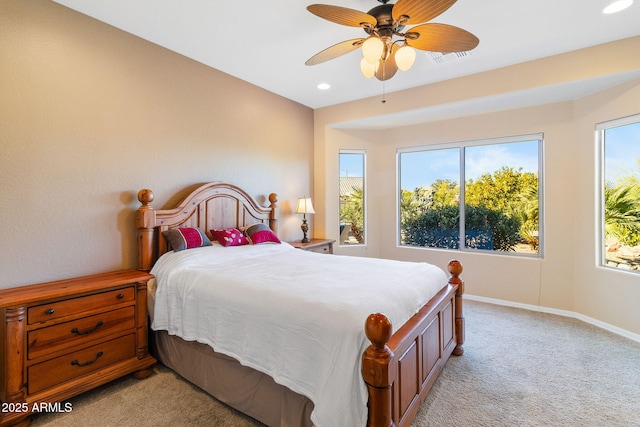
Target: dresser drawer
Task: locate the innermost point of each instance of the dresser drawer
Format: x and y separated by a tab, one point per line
44	341
320	249
78	363
59	309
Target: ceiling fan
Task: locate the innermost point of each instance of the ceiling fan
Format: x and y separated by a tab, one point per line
382	55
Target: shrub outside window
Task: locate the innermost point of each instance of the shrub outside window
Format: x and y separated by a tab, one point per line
498	207
619	220
352	197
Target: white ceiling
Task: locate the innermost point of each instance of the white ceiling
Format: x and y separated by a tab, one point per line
267	42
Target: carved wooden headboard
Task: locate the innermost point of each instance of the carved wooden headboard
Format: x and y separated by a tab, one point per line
212	205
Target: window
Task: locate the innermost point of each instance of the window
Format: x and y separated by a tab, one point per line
497	208
352	197
619	218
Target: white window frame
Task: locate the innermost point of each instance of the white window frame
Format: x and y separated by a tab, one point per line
364	195
461	145
600	184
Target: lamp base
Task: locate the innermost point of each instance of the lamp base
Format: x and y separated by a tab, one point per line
304	228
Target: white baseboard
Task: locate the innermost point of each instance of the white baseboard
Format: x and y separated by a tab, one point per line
565	313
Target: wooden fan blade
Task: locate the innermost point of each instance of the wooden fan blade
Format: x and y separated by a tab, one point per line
420	11
441	38
342	15
388	68
335	51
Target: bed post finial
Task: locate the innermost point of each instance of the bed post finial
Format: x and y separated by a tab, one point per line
378	371
145	222
455	268
145	196
273	215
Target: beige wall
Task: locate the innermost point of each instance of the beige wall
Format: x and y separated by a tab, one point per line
607	295
89	115
567	278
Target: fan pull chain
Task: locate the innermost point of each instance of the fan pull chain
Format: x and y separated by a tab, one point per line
384	69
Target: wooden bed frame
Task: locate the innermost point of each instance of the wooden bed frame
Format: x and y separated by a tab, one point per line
399	369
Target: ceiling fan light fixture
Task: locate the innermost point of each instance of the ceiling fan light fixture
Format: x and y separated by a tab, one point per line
405	57
368	70
372	49
384	56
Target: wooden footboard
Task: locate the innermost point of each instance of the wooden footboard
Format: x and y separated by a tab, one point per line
400	369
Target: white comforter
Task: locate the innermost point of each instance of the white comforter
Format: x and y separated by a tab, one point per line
294	315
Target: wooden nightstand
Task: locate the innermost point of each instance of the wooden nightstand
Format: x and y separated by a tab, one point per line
62	338
324	246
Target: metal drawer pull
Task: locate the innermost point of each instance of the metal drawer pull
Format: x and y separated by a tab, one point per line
75	361
50	311
88	331
120	296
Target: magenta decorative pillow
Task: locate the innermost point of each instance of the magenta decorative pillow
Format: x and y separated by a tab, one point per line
186	238
229	237
260	233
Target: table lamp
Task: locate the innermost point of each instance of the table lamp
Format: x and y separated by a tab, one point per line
305	207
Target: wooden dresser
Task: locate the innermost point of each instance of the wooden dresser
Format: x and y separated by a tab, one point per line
62	338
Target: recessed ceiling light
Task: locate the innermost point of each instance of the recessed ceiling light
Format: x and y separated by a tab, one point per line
617	6
324	86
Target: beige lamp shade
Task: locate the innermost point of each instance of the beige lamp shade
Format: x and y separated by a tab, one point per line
305	206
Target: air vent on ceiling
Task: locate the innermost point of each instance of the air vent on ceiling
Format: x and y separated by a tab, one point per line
443	58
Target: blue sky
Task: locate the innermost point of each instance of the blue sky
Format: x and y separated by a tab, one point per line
351	164
622	151
423	168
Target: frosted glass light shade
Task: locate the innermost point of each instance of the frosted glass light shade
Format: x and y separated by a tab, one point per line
405	57
372	49
368	70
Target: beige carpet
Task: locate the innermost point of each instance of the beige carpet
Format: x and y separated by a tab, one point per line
520	368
